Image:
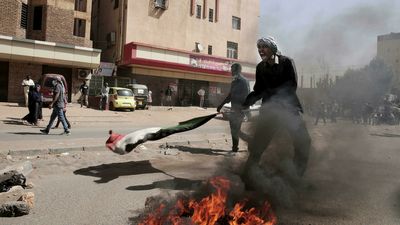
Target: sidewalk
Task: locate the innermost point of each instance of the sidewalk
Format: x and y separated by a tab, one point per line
90	128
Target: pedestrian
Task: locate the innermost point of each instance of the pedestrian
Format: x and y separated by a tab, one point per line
149	98
237	95
34	105
276	84
58	105
65	116
162	98
84	89
65	112
201	92
104	96
26	83
321	113
168	96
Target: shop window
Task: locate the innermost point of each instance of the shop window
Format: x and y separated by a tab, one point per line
79	27
80	5
232	50
37	17
211	15
235	23
24	16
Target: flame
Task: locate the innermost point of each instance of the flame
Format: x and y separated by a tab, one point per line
211	210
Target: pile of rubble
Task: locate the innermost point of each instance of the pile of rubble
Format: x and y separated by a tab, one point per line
15	199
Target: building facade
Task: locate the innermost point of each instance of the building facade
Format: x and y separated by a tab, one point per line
45	36
186	45
388	49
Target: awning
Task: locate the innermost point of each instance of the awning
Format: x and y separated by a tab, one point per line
15	49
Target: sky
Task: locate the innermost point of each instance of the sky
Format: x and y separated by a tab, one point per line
328	36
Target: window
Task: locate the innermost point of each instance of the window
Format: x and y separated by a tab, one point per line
116	4
160	4
80	5
235	23
211	15
232	50
24	16
198	11
37	17
79	27
111	39
210	49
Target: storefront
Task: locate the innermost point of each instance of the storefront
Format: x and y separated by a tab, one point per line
185	72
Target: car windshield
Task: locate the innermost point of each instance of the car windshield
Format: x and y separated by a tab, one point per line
124	93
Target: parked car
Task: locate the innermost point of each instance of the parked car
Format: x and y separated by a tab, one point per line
253	111
121	98
47	86
141	93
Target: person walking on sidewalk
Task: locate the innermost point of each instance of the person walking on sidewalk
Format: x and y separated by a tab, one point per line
84	89
58	105
239	91
104	96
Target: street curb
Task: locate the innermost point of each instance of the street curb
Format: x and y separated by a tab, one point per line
55	151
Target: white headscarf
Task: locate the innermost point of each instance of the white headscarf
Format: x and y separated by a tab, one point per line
270	43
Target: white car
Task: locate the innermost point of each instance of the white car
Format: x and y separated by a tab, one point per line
252	112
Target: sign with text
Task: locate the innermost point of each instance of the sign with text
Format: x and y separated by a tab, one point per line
210	63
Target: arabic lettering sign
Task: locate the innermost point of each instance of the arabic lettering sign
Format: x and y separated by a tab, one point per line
210	63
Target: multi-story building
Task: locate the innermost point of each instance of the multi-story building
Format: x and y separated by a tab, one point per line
45	36
183	44
388	49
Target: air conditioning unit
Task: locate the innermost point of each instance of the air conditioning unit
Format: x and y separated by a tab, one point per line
160	4
83	73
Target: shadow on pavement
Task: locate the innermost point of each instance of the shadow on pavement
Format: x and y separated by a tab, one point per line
13	121
30	133
197	150
108	172
396	204
172	184
385	135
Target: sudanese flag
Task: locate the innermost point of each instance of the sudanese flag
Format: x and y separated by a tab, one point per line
123	144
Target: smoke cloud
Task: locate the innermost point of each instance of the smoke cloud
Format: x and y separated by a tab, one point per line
328	36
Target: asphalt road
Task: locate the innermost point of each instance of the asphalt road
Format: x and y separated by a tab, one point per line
353	178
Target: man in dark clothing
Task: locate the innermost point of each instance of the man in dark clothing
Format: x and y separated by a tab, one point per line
239	90
58	105
168	96
276	84
84	89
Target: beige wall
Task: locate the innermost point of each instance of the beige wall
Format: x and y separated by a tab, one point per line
388	49
176	28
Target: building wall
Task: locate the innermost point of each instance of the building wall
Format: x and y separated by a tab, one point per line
10	17
388	49
17	72
176	28
57	26
58	22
